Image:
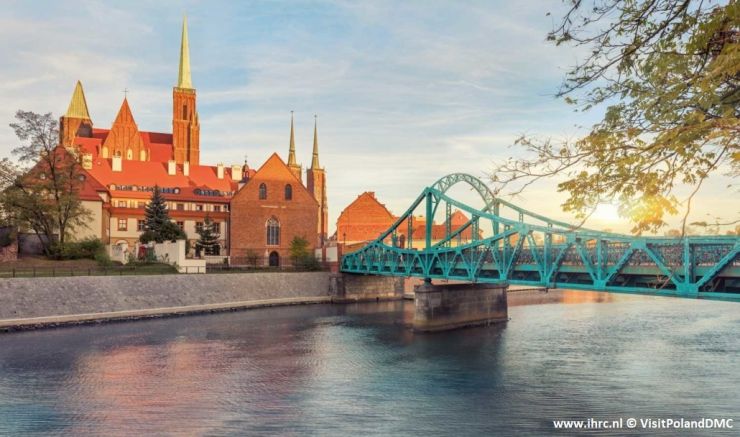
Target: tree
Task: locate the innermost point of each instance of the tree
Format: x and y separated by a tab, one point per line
41	191
209	235
155	212
158	226
301	256
668	71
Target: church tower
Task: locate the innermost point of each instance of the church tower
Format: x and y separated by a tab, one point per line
185	125
76	122
316	184
294	167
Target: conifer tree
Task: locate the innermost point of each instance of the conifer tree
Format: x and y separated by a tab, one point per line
158	225
156	212
208	241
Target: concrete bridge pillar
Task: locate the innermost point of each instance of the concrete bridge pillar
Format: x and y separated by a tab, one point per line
450	306
348	287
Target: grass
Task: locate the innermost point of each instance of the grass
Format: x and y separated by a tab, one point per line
38	268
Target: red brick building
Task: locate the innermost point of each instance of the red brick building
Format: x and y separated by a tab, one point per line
271	209
123	164
366	218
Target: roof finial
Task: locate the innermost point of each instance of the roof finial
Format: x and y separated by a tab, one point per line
315	160
291	149
183	77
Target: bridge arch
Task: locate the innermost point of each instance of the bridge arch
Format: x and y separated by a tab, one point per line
446	182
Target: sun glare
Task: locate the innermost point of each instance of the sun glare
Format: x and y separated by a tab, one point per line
606	212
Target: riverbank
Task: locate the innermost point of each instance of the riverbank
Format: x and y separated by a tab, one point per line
29	303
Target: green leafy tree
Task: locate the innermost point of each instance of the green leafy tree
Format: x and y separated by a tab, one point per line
668	72
41	191
158	226
208	237
301	256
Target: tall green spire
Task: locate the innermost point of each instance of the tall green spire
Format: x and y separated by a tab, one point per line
315	160
291	150
183	77
78	105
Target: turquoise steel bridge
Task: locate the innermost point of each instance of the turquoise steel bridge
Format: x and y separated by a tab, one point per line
531	249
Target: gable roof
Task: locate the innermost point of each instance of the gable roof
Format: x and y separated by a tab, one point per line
275	169
367	199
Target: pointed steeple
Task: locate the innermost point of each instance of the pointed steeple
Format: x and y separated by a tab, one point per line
124	114
291	150
315	160
183	77
78	105
124	139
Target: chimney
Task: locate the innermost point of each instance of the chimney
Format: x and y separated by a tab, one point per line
186	168
220	171
171	167
236	173
116	163
87	161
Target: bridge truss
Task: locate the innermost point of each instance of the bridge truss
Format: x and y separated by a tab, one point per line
531	249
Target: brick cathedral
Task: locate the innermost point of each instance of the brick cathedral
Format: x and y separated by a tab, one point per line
257	212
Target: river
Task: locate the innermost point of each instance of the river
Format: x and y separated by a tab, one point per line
358	369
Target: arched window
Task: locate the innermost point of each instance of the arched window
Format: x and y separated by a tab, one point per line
288	192
263	191
273	232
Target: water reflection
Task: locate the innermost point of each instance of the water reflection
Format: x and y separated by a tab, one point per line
359	369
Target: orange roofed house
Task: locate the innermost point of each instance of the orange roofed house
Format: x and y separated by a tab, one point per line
366	218
123	164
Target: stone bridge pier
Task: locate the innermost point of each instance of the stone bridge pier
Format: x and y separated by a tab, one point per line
441	307
347	287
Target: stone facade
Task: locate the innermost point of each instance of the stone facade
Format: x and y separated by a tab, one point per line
263	200
347	287
450	306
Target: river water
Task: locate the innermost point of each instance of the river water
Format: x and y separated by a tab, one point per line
358	369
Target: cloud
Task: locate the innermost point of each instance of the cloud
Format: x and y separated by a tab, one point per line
406	92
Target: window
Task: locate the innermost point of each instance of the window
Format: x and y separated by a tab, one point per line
141	205
198	207
140	225
198	226
181	225
184	112
122	224
181	207
263	191
121	203
216	208
216	227
273	232
288	192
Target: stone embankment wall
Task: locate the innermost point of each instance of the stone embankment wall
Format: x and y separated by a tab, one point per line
62	300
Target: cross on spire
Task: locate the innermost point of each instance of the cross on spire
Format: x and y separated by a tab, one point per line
125	93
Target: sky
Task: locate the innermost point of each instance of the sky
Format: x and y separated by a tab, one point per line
405	92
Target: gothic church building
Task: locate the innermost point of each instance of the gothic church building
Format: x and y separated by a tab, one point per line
257	212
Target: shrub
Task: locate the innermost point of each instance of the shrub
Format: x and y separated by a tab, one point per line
301	255
89	248
103	259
